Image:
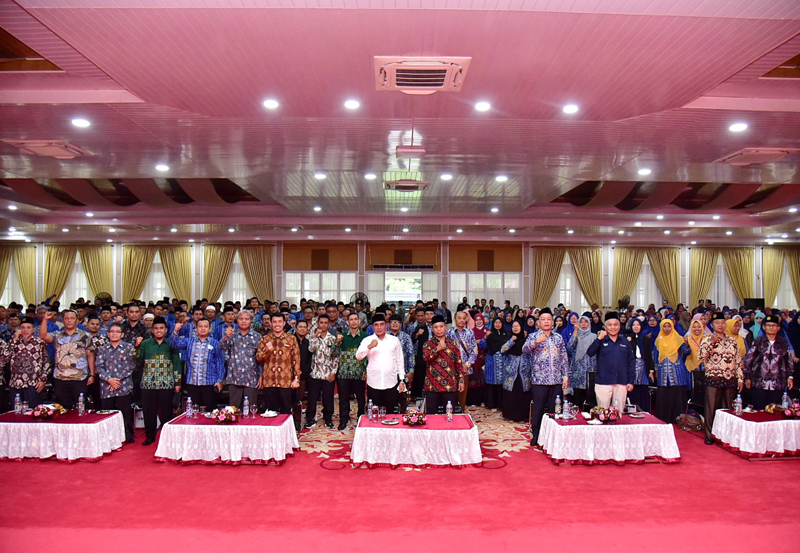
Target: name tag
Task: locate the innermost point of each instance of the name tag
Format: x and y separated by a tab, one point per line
623	346
209	346
605	344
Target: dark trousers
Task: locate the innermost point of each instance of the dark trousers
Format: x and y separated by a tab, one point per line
203	395
28	394
123	404
433	400
347	387
717	398
236	395
578	397
93	390
383	398
279	399
315	388
544	400
68	391
298	395
761	398
156	404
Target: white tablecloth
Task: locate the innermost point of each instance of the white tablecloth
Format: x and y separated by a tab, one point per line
64	441
608	443
394	446
756	439
226	444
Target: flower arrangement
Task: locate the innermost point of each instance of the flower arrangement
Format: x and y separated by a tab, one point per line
226	415
605	415
791	412
47	411
414	417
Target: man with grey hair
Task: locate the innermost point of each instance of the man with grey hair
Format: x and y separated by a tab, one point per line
243	370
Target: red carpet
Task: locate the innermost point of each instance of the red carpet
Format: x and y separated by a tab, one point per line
711	501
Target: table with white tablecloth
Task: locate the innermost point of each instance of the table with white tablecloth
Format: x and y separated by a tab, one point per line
259	440
436	444
629	440
68	437
758	434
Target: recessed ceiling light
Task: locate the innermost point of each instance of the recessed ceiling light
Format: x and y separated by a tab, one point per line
792	210
231	229
320	176
495	209
155	237
112	229
570	108
310	236
644	171
659	217
784	236
403	209
317	208
347	229
191	239
405	229
12	207
352	104
173	229
89	214
501	178
738	127
667	231
370	176
459	230
613	241
161	167
637	224
83	123
620	232
271	104
12	229
65	229
691	223
570	231
483	106
728	232
294	229
715	217
27	239
693	242
512	230
770	242
797	229
109	240
446	176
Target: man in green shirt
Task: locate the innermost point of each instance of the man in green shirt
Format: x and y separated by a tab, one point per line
352	372
161	379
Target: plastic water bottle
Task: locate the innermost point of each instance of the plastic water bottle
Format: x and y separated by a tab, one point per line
189	408
785	401
558	406
81	405
449	411
737	404
369	410
565	410
616	404
18	405
246	407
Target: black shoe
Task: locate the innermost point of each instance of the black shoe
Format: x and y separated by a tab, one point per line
342	426
709	441
311	424
329	425
130	441
149	441
533	442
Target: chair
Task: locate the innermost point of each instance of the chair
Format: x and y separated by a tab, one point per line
697	400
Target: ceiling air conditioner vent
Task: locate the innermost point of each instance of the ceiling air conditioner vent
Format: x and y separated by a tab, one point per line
749	156
403	266
420	75
50	148
406	185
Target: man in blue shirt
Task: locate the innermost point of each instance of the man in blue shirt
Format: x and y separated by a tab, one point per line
616	364
205	365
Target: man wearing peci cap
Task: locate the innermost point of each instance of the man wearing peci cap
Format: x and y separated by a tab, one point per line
445	375
28	362
768	366
616	364
724	371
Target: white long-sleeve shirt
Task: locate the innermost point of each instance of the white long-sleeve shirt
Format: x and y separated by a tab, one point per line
384	361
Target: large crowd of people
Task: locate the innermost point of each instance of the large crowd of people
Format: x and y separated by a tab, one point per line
288	358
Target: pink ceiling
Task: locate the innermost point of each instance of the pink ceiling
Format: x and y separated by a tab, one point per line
658	83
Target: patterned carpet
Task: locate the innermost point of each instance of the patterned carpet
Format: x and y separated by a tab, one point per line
499	439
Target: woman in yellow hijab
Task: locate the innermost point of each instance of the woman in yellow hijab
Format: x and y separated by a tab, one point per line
732	327
693	339
672	377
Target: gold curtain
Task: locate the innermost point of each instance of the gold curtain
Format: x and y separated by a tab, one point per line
739	266
58	265
702	265
177	263
25	265
5	265
217	261
627	266
547	263
793	265
98	267
588	265
257	266
666	266
136	264
772	273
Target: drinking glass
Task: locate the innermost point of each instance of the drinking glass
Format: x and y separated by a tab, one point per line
202	411
24	407
382	413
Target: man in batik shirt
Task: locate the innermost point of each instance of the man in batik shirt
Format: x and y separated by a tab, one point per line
324	348
467	347
395	326
352	372
280	357
115	364
28	362
445	374
74	355
93	325
768	366
240	343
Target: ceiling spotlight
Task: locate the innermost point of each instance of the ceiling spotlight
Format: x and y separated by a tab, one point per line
155	237
446	176
483	106
191	239
352	104
613	241
637	224
12	207
495	209
109	240
271	104
738	127
161	167
659	217
570	231
320	176
294	229
715	217
89	214
459	230
797	229
317	208
12	229
65	229
728	232
347	229
792	210
403	209
512	230
173	229
691	223
27	239
231	230
620	232
501	178
667	231
405	229
370	176
83	123
784	236
112	229
570	108
693	242
644	171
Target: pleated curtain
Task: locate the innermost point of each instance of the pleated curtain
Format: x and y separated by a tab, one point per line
588	265
6	254
177	264
217	262
665	263
793	266
25	265
703	265
257	266
772	260
627	266
547	263
136	264
58	265
739	266
98	267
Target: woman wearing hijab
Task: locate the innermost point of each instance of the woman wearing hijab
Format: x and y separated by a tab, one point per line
623	321
671	375
476	393
597	323
558	324
580	364
491	344
643	353
756	328
652	328
684	322
693	339
516	377
569	328
530	325
507	322
732	327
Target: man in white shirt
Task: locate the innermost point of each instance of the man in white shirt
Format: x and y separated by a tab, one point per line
385	369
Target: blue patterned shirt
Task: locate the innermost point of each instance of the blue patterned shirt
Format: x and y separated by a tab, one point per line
549	362
115	362
205	364
240	353
408	350
467	345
